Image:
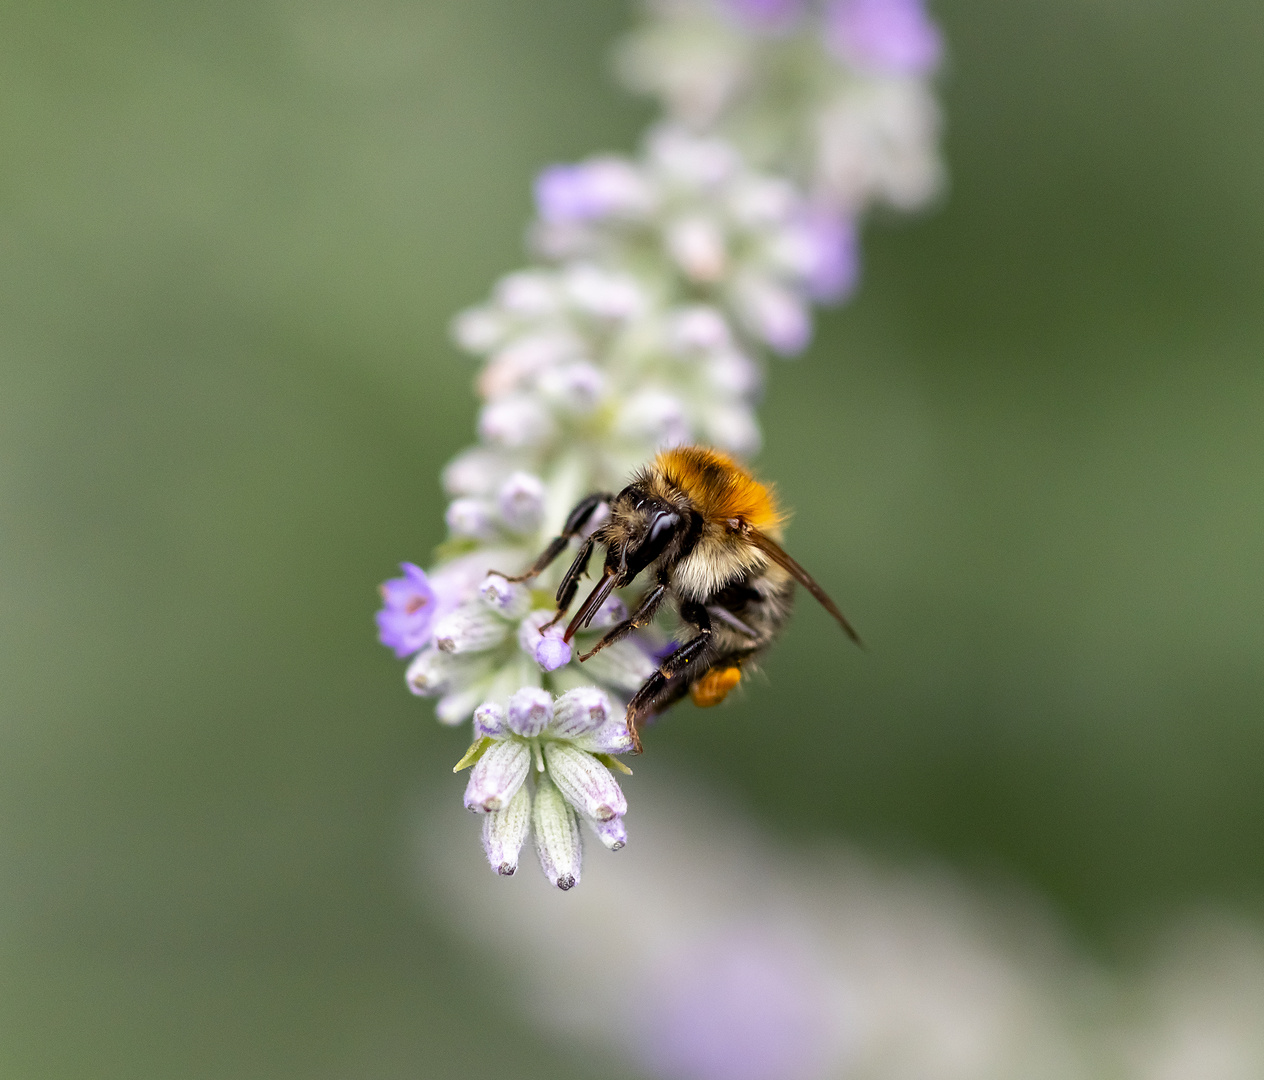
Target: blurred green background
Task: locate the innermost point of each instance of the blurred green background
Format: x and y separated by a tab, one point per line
1027	459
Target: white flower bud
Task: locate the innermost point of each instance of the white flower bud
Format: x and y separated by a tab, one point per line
579	712
476	471
478	329
881	146
759	202
612	833
557	839
698	248
530	629
561	240
574	388
599	292
530	711
516	423
508	599
431	672
612	737
471	628
527	293
774	314
489	720
732	373
732	428
525	357
455	707
697	329
497	776
654	416
792	251
584	781
521	502
505	831
699	163
551	652
471	518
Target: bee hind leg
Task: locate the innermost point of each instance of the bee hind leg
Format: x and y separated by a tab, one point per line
675	674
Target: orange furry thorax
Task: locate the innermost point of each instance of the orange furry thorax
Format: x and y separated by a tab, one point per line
720	487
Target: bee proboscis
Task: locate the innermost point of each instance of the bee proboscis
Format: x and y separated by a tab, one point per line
709	533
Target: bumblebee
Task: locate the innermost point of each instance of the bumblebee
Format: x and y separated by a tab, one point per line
709	533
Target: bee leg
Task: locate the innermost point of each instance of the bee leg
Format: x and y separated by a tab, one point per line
579	517
570	580
642	615
695	655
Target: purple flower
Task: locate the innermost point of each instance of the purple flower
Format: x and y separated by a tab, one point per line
895	37
833	258
545	647
774	314
739	1006
408	611
590	191
764	16
552	652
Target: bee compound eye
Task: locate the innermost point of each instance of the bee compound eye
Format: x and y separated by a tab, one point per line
660	528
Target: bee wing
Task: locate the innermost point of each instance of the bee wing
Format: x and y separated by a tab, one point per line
782	558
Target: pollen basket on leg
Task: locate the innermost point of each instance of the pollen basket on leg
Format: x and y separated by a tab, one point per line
714	686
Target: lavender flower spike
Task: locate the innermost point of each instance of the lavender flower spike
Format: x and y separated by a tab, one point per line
662	284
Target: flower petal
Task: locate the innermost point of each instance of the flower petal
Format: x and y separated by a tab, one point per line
557	840
580	712
507	599
584	781
612	833
505	831
408	610
530	711
611	738
489	719
471	628
521	502
495	780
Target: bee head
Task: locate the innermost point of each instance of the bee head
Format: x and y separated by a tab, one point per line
638	532
641	528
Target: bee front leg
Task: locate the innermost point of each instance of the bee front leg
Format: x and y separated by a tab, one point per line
579	517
